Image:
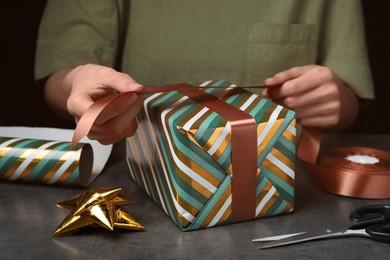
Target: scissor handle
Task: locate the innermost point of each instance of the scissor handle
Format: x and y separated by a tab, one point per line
370	215
379	233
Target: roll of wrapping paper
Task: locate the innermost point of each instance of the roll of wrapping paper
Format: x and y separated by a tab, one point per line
45	161
360	181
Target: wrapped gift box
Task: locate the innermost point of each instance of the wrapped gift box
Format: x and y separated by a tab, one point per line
181	156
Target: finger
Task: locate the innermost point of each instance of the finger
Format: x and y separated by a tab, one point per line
313	76
118	107
320	121
129	131
298	86
104	138
286	75
280	78
108	77
319	109
118	125
324	94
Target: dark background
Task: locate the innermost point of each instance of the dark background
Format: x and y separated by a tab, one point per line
22	102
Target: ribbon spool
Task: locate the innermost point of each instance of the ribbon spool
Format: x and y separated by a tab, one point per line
340	173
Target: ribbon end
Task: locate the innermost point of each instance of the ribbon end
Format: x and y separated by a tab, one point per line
75	139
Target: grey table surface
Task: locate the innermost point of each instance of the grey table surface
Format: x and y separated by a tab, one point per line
28	217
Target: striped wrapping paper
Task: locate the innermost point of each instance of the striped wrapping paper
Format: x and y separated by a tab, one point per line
181	156
44	161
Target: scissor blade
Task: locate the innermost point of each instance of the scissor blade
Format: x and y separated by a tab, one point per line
274	238
296	240
311	236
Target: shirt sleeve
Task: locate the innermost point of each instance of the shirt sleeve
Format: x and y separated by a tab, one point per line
74	32
343	45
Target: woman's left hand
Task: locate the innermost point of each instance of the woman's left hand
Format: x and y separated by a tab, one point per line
317	95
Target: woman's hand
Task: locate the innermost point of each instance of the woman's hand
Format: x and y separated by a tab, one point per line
89	83
317	95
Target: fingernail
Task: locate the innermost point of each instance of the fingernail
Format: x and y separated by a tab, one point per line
264	93
132	98
267	80
134	85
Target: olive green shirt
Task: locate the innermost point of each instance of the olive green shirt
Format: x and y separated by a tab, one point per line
171	41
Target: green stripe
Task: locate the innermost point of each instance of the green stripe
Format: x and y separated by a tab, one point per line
196	154
136	169
155	116
261	111
258	111
191	150
225	160
50	160
165	195
74	177
144	169
13	155
261	183
275	208
4	139
215	120
195	199
207	127
275	138
210	205
282	187
287	147
263	114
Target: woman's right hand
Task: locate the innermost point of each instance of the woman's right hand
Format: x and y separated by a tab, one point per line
89	83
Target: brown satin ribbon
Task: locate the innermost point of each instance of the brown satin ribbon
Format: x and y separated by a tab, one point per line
358	181
244	142
335	174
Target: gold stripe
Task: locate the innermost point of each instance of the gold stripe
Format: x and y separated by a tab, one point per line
57	165
285	160
201	172
68	172
269	135
34	163
288	135
138	158
253	104
225	216
196	125
183	221
263	192
269	204
192	165
4	151
277	171
156	186
212	140
224	144
185	205
198	170
229	170
288	207
18	162
216	209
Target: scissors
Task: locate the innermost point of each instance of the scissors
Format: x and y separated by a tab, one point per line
370	221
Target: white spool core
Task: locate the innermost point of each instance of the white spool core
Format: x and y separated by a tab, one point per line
363	159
